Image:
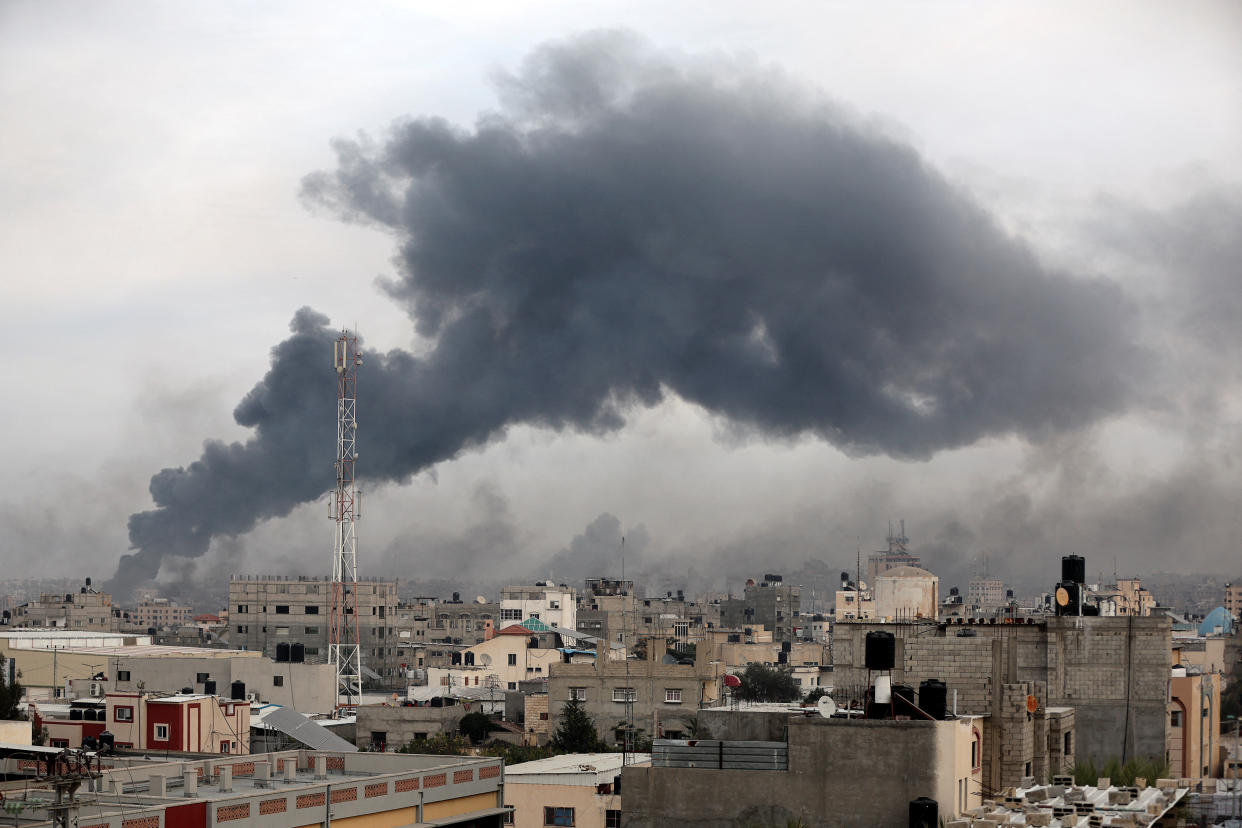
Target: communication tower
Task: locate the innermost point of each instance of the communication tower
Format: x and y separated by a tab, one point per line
344	646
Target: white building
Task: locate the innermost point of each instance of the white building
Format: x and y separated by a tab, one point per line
554	605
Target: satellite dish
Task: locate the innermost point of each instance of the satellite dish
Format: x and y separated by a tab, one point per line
826	706
479	599
1062	597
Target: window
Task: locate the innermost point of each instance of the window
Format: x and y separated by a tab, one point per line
123	714
513	685
558	816
312	651
282	630
312	609
122	675
681	629
199	678
243	628
577	694
612	819
312	631
543	717
161	733
1069	742
60	743
242	609
672	695
225	747
278	681
510	615
282	609
623	694
507	817
512	659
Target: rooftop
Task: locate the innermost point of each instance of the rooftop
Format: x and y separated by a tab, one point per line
587	769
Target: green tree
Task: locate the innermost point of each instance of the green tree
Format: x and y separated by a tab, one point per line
441	744
475	726
10	699
767	684
576	733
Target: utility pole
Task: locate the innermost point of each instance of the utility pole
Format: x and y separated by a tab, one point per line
344	646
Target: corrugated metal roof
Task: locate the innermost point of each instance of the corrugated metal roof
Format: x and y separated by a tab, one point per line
294	724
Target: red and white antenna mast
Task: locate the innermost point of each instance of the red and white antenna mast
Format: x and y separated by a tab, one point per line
344	647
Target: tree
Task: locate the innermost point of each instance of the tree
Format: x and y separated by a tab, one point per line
10	699
476	726
576	733
768	684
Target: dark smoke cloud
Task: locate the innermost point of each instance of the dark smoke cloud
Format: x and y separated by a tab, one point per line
629	227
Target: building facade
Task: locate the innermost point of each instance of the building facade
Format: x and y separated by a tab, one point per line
579	789
770	603
266	611
175	723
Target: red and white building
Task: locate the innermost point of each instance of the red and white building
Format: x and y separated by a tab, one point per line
182	723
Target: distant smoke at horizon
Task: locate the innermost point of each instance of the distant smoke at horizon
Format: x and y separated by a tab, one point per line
628	227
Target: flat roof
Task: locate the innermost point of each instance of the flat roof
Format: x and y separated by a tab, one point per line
575	763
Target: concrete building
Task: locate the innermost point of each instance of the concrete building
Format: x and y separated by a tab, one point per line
897	554
265	611
853	604
501	662
292	789
389	727
578	789
1114	672
92	663
906	592
160	613
660	698
1233	600
986	593
86	609
553	605
1194	741
174	723
847	773
771	603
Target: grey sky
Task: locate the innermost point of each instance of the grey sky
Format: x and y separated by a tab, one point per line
154	249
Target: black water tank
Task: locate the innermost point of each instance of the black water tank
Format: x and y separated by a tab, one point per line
107	742
881	650
786	646
75	714
934	697
924	813
90	743
90	715
237	691
282	652
782	658
1069	598
297	653
906	692
187	691
1074	568
209	687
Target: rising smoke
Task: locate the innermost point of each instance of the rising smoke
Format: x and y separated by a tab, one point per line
627	227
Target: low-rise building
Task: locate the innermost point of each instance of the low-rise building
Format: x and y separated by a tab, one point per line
86	609
806	770
290	789
552	604
177	723
501	662
578	789
656	697
160	613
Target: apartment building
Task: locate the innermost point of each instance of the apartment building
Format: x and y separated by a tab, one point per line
178	723
265	611
552	604
86	609
986	593
160	613
771	603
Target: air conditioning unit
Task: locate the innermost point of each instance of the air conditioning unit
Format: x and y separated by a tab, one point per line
252	697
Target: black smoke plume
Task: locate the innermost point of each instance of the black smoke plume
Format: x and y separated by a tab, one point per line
629	226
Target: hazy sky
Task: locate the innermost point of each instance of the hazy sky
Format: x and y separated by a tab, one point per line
158	237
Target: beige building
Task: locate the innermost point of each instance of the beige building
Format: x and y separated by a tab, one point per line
177	723
85	609
659	698
501	662
846	773
266	611
854	604
1194	740
552	604
91	664
290	789
577	789
986	593
1233	600
906	592
160	613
